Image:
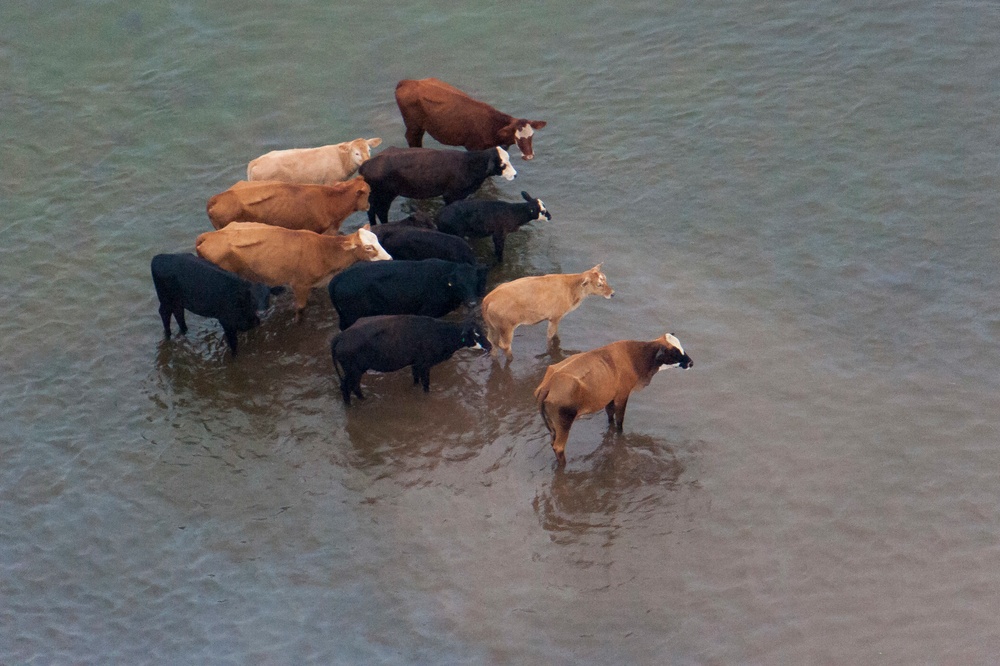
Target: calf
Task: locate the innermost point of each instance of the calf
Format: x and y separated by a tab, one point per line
602	378
186	282
478	219
431	287
415	243
531	300
392	342
325	165
455	119
422	173
276	256
318	208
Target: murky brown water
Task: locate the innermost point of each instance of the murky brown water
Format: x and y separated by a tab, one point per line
806	194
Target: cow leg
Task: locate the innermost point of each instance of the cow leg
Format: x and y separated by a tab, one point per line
165	313
179	316
415	136
416	374
345	389
301	293
498	243
610	410
425	379
506	343
230	338
620	411
564	422
378	209
553	329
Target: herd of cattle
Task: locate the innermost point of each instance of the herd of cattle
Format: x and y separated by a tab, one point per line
280	229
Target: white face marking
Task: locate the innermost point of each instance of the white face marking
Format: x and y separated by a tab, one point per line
524	132
371	240
476	346
541	211
508	171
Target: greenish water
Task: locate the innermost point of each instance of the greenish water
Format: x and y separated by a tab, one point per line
805	193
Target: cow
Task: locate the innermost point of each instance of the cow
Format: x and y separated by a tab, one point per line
478	218
324	165
186	282
318	208
404	242
455	119
530	300
601	378
276	256
392	342
430	287
422	173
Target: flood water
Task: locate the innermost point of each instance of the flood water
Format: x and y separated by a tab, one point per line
805	193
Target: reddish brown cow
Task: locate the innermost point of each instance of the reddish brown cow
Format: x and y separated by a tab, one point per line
599	379
275	256
455	119
318	208
531	300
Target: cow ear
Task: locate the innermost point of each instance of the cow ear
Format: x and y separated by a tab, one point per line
367	226
526	196
537	124
374	143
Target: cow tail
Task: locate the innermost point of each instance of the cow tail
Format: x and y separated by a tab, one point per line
541	409
337	367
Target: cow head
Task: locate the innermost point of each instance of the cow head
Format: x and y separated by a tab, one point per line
521	131
672	353
361	150
244	309
361	193
503	166
370	246
467	283
474	336
595	282
536	208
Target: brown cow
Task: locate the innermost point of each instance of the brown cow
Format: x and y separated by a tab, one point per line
275	256
531	300
455	119
599	379
324	165
318	208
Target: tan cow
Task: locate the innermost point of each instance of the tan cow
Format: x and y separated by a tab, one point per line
324	165
531	300
600	379
275	256
318	208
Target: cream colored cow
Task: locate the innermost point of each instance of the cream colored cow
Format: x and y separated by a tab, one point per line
324	165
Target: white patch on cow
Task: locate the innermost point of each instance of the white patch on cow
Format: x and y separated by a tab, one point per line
370	239
508	170
541	211
524	132
671	340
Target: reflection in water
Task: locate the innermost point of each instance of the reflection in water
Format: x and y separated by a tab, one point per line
627	476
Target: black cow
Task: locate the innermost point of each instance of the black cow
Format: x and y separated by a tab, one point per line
478	219
431	287
392	342
422	173
404	242
187	282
